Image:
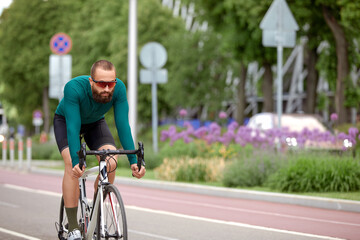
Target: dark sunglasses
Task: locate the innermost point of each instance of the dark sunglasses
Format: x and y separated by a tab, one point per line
103	84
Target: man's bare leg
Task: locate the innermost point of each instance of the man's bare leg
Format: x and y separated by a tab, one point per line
70	189
70	184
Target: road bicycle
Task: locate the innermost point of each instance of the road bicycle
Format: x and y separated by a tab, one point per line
105	217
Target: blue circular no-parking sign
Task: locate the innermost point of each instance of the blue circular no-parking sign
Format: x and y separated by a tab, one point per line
60	44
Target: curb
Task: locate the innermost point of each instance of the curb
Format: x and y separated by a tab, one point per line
284	198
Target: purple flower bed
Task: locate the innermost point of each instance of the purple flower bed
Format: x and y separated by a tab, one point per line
243	135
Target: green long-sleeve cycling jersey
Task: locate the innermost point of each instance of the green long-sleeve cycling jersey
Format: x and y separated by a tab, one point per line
79	107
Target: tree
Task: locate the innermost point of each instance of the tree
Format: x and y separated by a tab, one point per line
342	19
311	23
238	22
26	29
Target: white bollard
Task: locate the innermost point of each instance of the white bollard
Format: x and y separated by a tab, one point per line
20	152
12	151
4	148
28	152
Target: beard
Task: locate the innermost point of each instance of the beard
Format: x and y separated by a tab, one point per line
100	97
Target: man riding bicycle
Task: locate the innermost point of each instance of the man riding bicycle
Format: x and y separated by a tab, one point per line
81	111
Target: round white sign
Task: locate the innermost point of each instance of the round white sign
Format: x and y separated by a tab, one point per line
153	55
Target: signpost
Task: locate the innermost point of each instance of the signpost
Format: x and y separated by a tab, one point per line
153	56
37	120
59	64
279	30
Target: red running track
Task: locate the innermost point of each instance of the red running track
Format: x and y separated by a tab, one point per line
332	223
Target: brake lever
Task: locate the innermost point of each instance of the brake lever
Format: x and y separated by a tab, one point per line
82	156
140	156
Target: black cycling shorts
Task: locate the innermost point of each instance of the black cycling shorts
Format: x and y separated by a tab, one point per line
95	134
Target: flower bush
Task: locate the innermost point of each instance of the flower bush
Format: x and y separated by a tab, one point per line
191	169
265	139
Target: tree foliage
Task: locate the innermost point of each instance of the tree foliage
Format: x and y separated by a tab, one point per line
26	29
99	30
198	61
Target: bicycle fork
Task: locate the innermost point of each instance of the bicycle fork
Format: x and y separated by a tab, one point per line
105	181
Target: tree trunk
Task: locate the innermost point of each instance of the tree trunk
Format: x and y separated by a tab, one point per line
267	88
241	101
46	110
311	81
342	63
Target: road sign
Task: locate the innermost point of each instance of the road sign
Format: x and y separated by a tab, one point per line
37	120
153	55
148	76
60	44
59	74
279	26
37	114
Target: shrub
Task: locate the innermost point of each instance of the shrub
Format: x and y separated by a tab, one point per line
179	148
152	160
199	148
45	151
190	169
249	171
323	173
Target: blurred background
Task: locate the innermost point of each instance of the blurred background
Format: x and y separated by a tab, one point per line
221	82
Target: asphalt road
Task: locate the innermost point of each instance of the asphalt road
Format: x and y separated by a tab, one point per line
29	205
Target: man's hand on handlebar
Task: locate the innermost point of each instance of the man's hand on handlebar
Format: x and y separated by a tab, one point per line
76	172
135	171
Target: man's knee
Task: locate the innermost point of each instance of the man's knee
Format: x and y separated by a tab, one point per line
65	154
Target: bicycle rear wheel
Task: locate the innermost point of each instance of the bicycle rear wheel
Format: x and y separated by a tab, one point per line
113	215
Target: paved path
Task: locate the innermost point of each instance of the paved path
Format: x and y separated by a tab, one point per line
191	215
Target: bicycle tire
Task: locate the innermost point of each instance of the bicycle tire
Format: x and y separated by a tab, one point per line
112	201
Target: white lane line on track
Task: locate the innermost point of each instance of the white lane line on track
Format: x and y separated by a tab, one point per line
152	235
230	223
26	189
8	204
17	234
232	209
182	215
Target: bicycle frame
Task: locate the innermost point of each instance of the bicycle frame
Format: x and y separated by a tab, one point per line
89	215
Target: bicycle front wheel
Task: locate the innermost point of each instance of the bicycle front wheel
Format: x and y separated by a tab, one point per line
113	215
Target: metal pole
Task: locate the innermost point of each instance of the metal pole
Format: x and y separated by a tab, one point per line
132	66
4	148
20	152
12	151
28	152
154	114
279	82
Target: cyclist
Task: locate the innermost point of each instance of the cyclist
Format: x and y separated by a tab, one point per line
81	111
